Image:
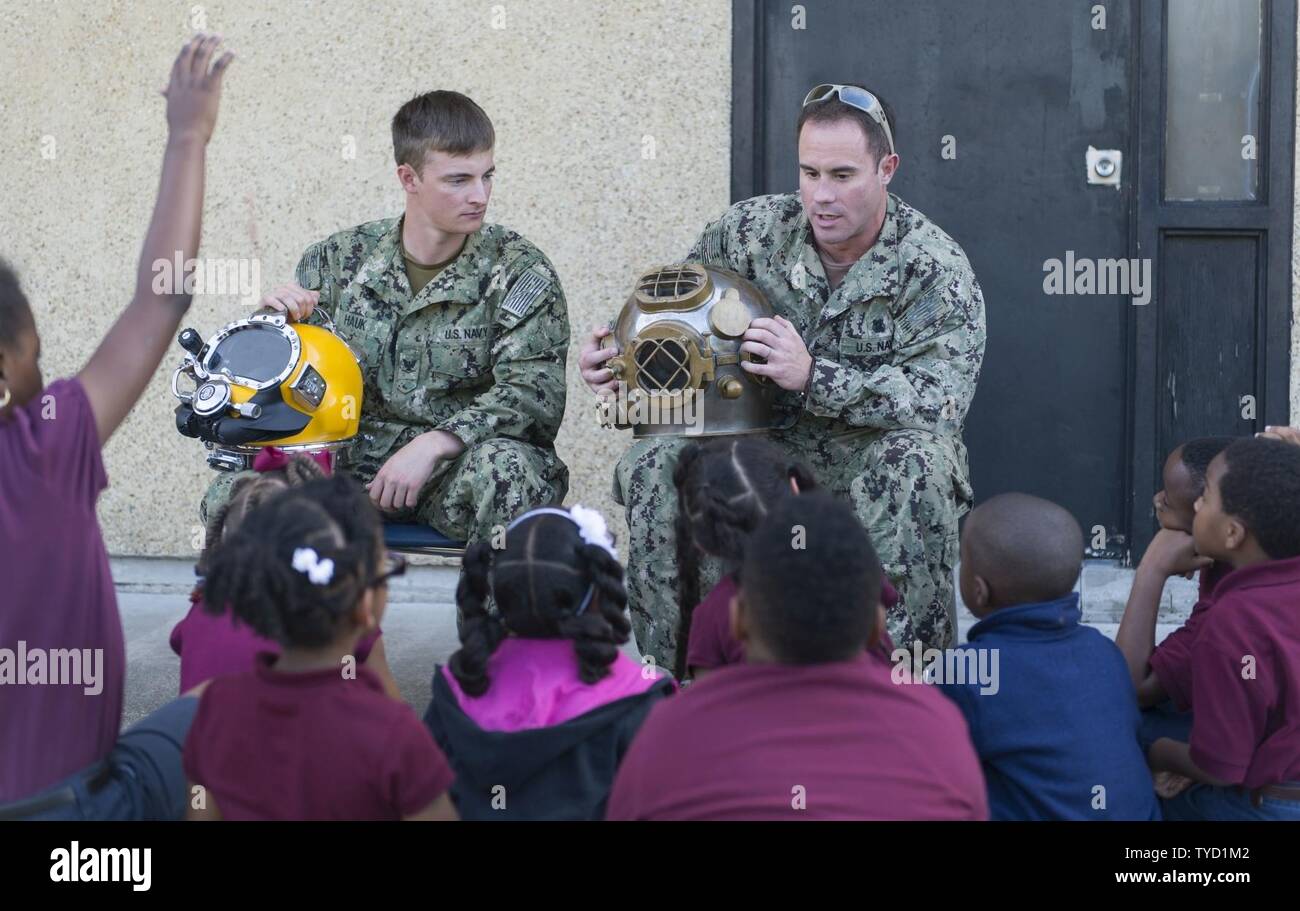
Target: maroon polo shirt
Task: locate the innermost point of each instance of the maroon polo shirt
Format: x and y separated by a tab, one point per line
1171	661
828	741
57	716
1245	672
312	745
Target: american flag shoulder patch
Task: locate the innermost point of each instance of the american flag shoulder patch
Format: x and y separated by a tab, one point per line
710	248
526	289
924	314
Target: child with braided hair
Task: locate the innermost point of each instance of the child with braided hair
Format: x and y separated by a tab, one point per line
539	705
310	733
725	488
210	640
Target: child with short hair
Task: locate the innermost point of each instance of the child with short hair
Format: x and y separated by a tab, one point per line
73	761
1244	749
211	640
537	708
1160	673
812	725
310	734
725	488
1056	728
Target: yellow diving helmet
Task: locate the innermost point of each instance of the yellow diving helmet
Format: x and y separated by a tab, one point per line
264	381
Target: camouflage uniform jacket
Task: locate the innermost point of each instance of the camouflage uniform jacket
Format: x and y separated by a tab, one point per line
898	345
480	352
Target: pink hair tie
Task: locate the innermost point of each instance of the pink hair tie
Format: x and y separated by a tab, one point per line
273	458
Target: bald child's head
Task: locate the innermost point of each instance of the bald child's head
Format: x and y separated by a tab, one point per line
1018	549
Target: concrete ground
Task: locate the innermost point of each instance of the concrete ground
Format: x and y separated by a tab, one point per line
420	624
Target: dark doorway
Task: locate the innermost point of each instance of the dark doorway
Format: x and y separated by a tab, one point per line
997	103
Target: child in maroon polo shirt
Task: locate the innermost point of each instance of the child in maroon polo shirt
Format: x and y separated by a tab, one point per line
814	724
1160	672
210	640
1244	750
310	734
57	739
724	490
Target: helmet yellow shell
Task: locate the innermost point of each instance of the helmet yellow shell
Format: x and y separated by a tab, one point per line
338	417
263	382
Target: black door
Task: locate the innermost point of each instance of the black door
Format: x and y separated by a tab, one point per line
1214	211
998	103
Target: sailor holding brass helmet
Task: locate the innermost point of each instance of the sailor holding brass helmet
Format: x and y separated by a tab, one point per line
874	349
461	330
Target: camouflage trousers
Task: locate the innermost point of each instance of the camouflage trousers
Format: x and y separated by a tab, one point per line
465	498
908	488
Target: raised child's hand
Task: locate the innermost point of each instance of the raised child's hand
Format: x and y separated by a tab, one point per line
194	91
1285	434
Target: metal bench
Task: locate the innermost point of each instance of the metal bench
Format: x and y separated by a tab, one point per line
413	538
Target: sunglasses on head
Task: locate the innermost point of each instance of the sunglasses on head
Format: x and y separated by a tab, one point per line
854	97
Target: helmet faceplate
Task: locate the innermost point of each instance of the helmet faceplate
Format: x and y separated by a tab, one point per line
262	382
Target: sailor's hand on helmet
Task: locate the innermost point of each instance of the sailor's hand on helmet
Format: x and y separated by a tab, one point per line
591	361
778	342
295	302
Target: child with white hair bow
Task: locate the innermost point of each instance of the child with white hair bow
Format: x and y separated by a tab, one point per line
539	704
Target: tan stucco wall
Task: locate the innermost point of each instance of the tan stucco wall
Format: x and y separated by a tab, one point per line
577	91
574	88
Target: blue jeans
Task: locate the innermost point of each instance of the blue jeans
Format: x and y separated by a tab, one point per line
1203	801
1164	720
141	779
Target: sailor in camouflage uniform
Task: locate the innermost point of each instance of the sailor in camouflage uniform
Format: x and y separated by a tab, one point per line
463	373
892	350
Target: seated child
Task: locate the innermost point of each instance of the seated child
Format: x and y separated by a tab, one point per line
210	640
1057	729
724	489
537	708
310	734
1244	749
812	725
62	752
1160	672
